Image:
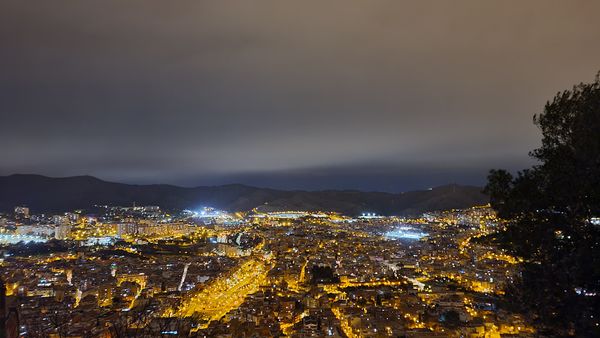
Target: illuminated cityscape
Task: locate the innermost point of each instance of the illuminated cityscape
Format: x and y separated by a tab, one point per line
146	272
304	169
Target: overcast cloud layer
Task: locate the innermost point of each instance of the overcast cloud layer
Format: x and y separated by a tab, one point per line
374	95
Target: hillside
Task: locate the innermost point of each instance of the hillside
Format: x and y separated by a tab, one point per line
43	193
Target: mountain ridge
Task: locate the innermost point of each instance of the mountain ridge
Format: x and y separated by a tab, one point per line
45	194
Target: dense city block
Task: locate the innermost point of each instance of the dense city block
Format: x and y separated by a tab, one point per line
140	271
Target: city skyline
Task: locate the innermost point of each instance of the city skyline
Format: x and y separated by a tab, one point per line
308	169
385	96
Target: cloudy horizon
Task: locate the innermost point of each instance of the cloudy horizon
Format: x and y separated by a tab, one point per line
382	95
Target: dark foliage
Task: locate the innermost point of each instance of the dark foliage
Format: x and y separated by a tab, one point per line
550	209
323	275
34	249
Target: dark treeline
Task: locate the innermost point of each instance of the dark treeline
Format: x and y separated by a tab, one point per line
550	210
35	249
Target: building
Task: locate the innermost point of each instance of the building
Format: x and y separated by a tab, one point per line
61	232
36	230
72	216
60	220
22	212
126	229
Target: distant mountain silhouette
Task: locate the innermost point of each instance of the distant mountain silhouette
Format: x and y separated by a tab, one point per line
47	194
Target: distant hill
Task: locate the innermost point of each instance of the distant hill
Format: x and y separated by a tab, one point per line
47	194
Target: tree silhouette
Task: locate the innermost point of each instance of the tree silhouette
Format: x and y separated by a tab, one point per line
550	211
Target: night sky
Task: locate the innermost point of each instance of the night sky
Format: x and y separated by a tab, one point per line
370	95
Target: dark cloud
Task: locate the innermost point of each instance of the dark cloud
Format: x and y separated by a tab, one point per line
307	94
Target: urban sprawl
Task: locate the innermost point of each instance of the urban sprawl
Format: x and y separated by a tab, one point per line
140	271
